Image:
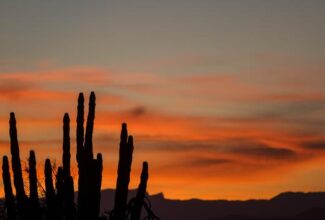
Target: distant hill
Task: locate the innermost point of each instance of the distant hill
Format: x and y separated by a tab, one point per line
285	206
291	206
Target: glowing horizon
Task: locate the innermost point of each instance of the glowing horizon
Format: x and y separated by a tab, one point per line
225	99
232	157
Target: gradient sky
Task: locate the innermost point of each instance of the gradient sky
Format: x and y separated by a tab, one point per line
225	99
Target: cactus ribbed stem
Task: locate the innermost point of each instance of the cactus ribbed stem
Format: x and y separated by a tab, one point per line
16	167
66	145
90	169
98	183
68	189
90	127
123	173
9	196
49	193
139	199
68	197
59	192
80	127
33	194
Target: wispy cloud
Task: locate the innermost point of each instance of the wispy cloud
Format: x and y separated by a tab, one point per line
187	126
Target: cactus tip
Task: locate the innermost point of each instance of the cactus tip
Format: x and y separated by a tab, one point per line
47	162
81	97
66	117
12	116
32	154
124	132
130	140
32	158
5	159
99	157
92	97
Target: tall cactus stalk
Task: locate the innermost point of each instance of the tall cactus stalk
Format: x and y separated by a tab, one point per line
33	194
16	167
66	145
139	199
59	193
80	157
123	173
49	192
68	196
90	169
9	196
98	183
80	128
68	189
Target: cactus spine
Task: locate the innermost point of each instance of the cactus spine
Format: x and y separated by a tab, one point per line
123	173
9	196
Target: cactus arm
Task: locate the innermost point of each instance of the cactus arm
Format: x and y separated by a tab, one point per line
90	126
139	199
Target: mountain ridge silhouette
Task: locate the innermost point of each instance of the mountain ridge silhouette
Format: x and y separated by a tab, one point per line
286	205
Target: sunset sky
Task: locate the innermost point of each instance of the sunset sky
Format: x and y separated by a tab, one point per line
225	98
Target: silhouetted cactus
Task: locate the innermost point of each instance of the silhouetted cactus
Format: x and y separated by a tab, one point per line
16	167
68	196
9	196
98	183
90	169
80	128
123	173
67	180
59	193
49	192
90	127
60	199
66	145
34	208
139	199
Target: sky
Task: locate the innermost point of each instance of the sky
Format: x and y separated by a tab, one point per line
225	98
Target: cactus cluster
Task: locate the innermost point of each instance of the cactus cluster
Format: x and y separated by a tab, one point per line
90	169
59	184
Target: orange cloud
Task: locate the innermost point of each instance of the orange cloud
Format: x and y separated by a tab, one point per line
223	148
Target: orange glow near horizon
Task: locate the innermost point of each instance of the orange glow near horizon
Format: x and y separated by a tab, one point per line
224	99
226	154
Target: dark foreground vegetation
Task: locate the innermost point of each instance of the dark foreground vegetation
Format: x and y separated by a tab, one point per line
59	201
